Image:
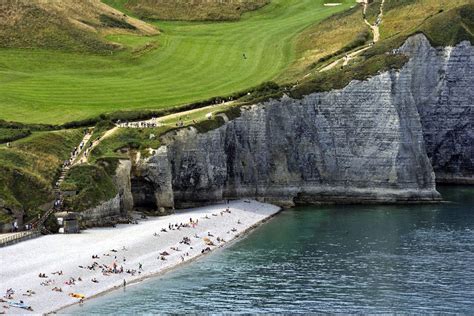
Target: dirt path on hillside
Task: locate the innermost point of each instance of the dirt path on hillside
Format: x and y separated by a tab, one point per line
346	59
375	28
84	157
160	121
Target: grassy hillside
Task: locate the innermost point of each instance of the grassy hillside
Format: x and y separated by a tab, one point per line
337	34
187	62
443	22
29	167
197	10
406	16
64	25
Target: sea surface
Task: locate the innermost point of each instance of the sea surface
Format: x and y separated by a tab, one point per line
347	259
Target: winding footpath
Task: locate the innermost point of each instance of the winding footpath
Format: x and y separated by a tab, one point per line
375	28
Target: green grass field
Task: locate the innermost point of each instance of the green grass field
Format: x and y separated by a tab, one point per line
191	62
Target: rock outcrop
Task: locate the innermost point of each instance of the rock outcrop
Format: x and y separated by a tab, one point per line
370	142
119	206
440	82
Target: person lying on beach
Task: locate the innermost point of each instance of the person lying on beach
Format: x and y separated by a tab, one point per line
156	235
209	234
163	230
95	280
175	248
57	289
196	236
113	250
238	222
206	217
42	275
164	253
162	258
185	241
9	294
214	214
205	250
234	230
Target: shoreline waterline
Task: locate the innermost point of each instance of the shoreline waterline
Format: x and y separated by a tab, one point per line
136	245
324	259
236	239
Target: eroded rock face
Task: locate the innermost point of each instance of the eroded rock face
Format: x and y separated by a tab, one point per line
119	206
440	82
122	181
151	185
366	143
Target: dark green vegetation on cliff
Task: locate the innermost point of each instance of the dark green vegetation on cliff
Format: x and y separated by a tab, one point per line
93	184
30	167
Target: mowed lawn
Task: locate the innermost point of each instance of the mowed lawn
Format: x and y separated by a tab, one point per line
192	62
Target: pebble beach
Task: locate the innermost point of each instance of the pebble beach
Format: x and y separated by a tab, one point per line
55	271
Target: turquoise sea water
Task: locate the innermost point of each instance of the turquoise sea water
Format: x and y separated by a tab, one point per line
348	259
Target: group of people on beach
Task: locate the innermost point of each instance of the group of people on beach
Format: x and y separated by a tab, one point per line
9	295
114	261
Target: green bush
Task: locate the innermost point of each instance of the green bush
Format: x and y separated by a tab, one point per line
12	134
113	22
94	185
51	224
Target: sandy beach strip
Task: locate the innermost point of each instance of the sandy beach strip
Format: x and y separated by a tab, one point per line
126	246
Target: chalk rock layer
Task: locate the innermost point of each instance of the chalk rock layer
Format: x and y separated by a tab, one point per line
375	141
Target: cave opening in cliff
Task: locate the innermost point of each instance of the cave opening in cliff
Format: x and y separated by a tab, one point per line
143	192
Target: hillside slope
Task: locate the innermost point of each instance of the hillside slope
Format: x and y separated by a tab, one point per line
191	62
64	25
193	10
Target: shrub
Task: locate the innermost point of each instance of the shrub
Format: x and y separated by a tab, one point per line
12	134
109	21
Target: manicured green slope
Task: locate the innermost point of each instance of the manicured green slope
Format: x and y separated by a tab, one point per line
192	61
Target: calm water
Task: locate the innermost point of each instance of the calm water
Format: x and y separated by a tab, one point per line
326	259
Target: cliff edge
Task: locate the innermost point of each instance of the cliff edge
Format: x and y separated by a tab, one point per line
374	141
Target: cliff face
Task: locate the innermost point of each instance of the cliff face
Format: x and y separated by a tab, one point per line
119	206
369	142
440	82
